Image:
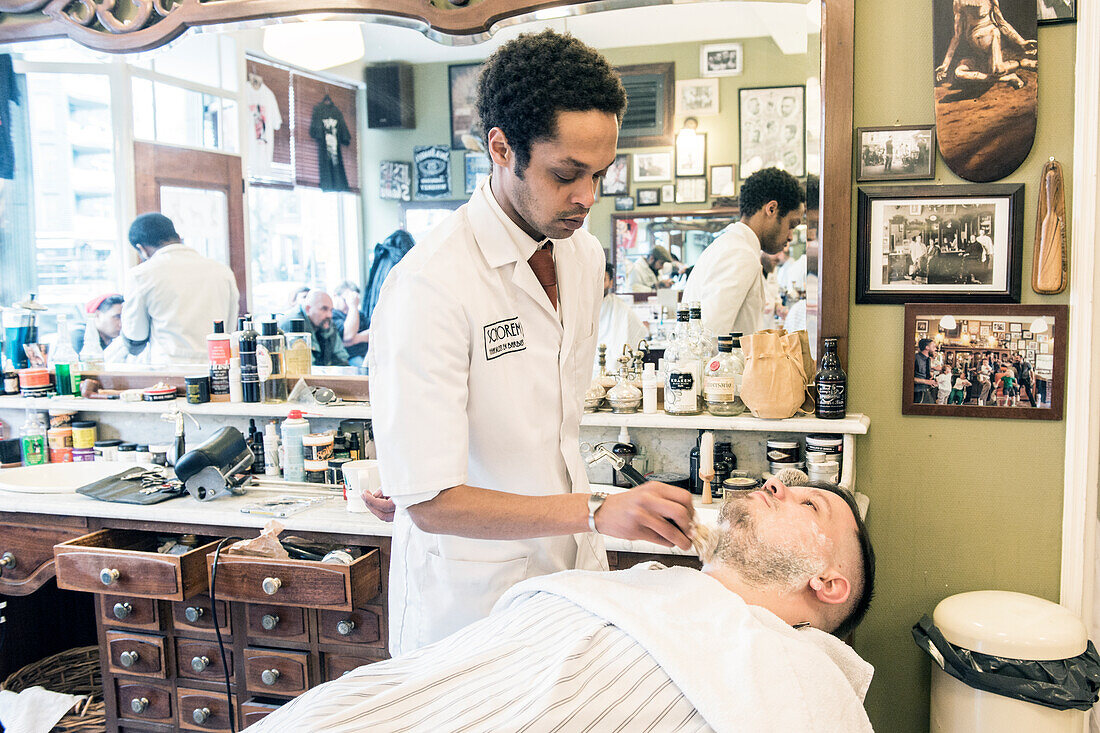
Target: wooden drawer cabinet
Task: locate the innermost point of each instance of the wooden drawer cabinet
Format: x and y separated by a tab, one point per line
200	659
136	654
276	672
256	709
126	562
336	665
129	612
144	701
300	583
272	624
361	626
203	709
195	615
26	556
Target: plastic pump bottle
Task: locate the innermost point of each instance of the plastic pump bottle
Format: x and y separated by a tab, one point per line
271	449
294	428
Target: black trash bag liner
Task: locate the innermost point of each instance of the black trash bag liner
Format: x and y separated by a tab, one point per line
1062	684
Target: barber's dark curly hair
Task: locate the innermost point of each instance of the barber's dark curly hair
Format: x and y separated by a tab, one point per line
770	184
530	79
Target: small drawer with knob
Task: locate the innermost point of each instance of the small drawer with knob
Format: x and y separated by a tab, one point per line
200	659
203	709
361	626
136	654
129	612
26	556
337	665
195	615
267	624
256	709
143	701
301	583
276	672
126	562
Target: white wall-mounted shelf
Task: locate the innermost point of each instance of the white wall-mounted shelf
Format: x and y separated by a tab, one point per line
851	425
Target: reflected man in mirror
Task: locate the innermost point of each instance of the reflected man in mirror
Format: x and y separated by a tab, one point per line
645	273
328	342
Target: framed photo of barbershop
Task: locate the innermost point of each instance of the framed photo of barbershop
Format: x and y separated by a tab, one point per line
948	369
959	244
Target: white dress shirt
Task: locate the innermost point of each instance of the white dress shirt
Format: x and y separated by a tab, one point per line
729	281
619	325
173	299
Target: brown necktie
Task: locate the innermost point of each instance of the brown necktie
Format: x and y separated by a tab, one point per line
542	262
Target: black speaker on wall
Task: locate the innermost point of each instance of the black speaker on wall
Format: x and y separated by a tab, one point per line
390	96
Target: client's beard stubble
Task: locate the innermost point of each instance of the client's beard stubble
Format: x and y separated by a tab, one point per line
777	566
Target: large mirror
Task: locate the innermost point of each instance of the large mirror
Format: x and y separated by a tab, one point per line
99	137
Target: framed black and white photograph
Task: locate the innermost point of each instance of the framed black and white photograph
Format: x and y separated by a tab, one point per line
691	190
624	203
697	97
478	168
465	132
668	193
773	130
691	155
1056	11
394	180
723	181
947	371
896	153
648	196
433	171
649	167
617	180
724	59
959	244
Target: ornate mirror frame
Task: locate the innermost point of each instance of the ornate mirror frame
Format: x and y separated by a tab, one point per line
137	25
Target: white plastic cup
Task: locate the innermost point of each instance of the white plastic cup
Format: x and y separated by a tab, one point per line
360	476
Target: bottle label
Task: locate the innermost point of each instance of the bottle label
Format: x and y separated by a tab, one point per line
831	395
720	389
681	391
219	379
263	362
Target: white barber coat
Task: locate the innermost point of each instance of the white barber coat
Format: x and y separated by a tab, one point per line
729	281
642	278
619	325
476	379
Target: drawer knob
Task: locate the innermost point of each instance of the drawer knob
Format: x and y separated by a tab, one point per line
128	658
122	610
345	627
200	715
139	704
193	613
269	621
270	676
271	585
7	561
108	576
200	663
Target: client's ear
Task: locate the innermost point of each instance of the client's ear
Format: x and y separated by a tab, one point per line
830	587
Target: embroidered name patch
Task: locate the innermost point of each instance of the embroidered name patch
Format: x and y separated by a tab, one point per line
503	337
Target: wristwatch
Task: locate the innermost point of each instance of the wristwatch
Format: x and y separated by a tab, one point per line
595	501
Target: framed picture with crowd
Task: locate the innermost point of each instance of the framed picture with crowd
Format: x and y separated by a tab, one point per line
961	244
973	360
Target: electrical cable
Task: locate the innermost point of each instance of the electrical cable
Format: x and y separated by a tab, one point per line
218	632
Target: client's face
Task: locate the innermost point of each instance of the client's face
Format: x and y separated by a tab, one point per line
779	537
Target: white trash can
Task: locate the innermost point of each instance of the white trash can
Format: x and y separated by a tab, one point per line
1010	625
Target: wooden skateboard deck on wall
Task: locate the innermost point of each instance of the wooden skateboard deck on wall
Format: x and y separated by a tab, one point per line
986	85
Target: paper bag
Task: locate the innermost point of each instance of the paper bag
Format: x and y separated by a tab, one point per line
775	380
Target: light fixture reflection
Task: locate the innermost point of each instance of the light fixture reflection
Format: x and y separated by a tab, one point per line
1039	325
315	45
948	323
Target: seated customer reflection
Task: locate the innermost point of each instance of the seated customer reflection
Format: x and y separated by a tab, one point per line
619	324
645	273
328	343
174	296
105	314
350	321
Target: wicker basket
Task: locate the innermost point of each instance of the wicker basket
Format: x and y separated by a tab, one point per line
73	672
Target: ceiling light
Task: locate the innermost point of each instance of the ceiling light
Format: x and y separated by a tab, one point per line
948	323
315	45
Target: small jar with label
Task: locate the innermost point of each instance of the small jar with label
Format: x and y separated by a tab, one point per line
316	471
107	450
142	454
127	452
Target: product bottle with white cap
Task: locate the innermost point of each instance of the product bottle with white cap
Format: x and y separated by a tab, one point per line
219	348
295	427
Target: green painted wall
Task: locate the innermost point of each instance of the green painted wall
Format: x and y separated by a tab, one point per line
957	504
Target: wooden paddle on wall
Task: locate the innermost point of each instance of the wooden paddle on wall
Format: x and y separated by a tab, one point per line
1048	260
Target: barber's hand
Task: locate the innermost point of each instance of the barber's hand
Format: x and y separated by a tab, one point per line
352	300
379	505
654	512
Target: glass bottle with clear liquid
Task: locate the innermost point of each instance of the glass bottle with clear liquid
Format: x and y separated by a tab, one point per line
684	371
721	381
703	344
64	358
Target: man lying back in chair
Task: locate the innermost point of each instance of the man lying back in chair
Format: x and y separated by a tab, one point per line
747	644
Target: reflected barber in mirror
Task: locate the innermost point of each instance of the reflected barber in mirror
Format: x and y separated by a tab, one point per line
728	278
647	273
316	312
619	323
174	296
481	351
350	321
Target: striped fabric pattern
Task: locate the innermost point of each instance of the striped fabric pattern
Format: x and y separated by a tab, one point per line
538	666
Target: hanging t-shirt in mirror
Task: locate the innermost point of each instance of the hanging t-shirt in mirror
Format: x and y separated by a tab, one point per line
263	109
331	132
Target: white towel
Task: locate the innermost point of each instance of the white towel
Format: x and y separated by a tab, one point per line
742	667
34	710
